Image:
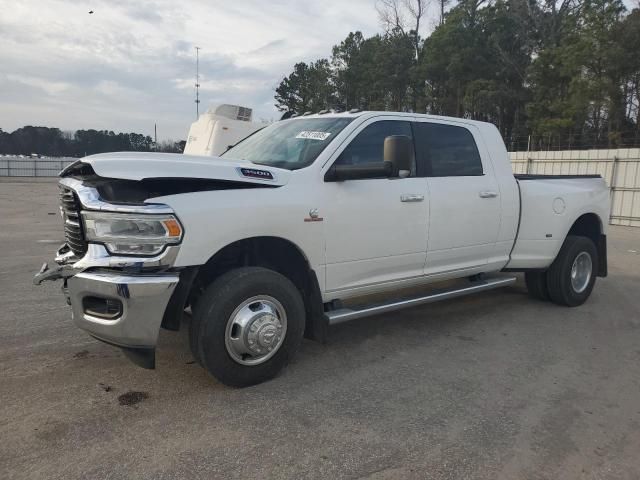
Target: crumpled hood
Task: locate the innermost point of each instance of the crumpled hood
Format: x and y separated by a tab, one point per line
143	165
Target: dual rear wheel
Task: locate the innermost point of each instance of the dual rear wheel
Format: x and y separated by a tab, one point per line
571	277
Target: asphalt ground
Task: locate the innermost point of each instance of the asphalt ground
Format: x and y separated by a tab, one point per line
493	386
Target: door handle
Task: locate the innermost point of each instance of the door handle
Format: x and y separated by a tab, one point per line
411	197
488	194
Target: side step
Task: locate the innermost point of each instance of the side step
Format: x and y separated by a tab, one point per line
488	283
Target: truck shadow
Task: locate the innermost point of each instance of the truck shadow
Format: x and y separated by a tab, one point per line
356	344
485	321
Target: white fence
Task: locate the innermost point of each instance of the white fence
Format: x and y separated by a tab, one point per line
33	167
620	169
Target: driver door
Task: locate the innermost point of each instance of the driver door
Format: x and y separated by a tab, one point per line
375	229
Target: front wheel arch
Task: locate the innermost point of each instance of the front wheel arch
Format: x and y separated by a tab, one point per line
277	254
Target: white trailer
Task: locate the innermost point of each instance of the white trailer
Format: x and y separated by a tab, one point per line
218	128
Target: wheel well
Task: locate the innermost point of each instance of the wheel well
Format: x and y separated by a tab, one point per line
587	225
275	254
270	252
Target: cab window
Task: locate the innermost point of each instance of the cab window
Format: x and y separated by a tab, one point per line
368	146
446	151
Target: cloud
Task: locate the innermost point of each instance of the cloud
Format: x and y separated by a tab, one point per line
47	86
130	65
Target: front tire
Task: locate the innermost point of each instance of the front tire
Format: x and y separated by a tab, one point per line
572	275
247	325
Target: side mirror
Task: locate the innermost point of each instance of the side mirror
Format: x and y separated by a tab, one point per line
398	150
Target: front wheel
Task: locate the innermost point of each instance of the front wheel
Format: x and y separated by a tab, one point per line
572	275
247	326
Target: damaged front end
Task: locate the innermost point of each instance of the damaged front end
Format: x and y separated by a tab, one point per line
117	266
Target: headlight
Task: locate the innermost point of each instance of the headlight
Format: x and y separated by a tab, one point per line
132	234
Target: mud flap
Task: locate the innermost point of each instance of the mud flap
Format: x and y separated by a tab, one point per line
602	256
317	325
175	308
144	357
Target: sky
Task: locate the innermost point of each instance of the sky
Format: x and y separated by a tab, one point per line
132	64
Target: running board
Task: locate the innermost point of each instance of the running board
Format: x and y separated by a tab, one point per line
346	314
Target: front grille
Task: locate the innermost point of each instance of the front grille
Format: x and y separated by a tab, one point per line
72	223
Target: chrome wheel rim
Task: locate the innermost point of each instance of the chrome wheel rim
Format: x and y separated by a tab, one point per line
581	272
256	330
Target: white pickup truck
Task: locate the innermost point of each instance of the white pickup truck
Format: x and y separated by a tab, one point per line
287	232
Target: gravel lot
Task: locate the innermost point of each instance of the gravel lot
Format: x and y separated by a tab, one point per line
492	386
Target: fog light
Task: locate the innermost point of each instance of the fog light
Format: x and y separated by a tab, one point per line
107	308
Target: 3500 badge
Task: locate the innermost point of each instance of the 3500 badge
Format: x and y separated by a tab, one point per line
254	173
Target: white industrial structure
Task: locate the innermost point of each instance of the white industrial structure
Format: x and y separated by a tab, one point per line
219	128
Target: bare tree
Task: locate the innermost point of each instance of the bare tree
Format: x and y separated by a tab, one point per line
390	15
403	16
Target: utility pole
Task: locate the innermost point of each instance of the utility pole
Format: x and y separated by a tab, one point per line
197	82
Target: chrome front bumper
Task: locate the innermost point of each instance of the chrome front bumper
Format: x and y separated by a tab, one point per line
144	299
143	296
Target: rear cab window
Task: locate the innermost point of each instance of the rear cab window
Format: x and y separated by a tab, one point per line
446	151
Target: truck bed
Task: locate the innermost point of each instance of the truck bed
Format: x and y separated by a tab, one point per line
549	205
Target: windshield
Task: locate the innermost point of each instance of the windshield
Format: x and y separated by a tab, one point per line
290	144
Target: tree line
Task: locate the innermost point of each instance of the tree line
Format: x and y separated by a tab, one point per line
56	143
547	73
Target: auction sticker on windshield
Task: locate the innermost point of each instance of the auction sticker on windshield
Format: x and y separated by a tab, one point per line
313	135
